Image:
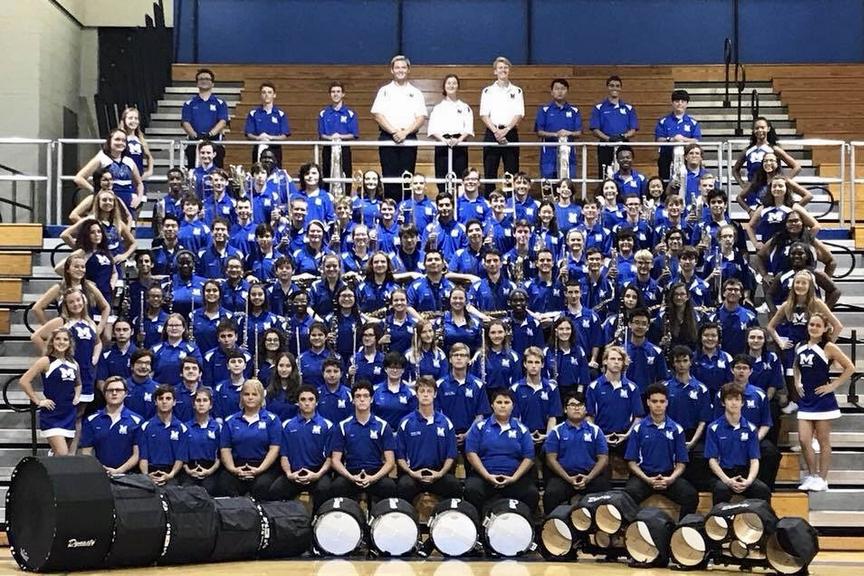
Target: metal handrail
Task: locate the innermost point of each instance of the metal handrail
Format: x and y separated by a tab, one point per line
31	408
754	104
727	59
848	251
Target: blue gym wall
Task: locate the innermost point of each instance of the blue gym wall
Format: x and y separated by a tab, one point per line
527	31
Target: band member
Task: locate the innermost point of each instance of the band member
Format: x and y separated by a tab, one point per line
399	109
163	441
460	395
204	116
612	121
337	122
576	455
204	437
363	450
426	448
267	123
502	106
451	122
657	456
304	457
732	449
676	126
110	434
537	401
555	121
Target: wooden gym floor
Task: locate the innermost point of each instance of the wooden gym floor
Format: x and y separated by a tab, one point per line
826	564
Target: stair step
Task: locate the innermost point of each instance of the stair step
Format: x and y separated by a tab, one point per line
851	500
837	519
720	90
838	439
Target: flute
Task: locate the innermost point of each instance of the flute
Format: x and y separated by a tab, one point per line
141	328
299	364
257	349
192	317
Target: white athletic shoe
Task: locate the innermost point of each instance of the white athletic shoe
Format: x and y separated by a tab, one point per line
790	408
807	484
815	444
819	484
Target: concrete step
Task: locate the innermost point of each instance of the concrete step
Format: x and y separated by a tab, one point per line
849	499
837	519
838	439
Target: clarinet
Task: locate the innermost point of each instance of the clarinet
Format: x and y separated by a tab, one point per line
192	319
299	367
257	350
483	355
718	256
354	351
554	367
141	335
246	320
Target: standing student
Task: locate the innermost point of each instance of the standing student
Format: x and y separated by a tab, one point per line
612	121
267	123
337	122
204	116
451	122
400	110
502	106
677	126
556	120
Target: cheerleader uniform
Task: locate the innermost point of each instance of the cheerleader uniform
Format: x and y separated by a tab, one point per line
121	170
813	365
58	384
99	269
796	330
85	342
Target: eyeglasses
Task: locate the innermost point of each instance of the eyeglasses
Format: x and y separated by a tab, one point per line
575	405
114	390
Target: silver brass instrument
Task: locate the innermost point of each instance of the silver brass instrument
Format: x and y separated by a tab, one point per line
451	185
509	187
241	180
679	171
517	269
563	157
547	192
257	351
299	364
336	186
357	183
407	192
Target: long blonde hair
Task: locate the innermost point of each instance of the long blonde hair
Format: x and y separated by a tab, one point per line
69	355
810	298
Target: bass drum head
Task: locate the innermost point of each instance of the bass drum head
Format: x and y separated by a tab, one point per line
453	533
59	513
509	530
139	522
393	526
338	528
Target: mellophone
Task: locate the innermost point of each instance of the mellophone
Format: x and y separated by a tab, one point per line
64	513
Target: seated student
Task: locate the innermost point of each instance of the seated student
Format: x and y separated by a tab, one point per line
185	390
194	233
116	360
426	448
140	387
576	456
219	206
111	433
169	354
304	455
393	399
690	406
756	409
204	437
213	257
249	446
368	362
647	363
362	450
216	359
537	401
311	362
657	456
163	441
732	449
460	395
227	391
612	402
334	398
500	463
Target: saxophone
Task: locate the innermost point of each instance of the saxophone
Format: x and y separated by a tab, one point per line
546	190
563	157
516	268
679	171
405	210
336	186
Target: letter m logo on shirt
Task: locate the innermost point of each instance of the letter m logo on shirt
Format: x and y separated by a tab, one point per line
67	373
806	360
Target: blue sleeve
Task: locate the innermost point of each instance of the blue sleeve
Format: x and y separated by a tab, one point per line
681	454
182	453
697	131
225	440
274	432
765	413
452	451
637	408
753	450
595	334
400	442
86	434
527	445
284	126
634	119
632	452
540	120
472	440
482	403
712	449
660	130
143	448
551	445
661	368
775	378
388	440
102	368
337	439
186	113
704	407
602	445
594	122
555	408
578	121
353	126
249	127
283	443
590	404
223	111
321	123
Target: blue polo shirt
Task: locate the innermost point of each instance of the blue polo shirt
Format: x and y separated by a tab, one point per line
501	448
202	114
544	296
211	262
647	364
450	237
112	442
115	362
425	443
613	119
275	122
502	368
424	296
488	296
552	117
571	367
732	446
689	402
467	261
613	408
755	407
167	360
334	406
371	370
534	407
305	442
311	366
656	448
341	121
670	125
400	333
477	209
226	399
234	296
250	441
468	333
462	402
222	208
767	372
216	368
587	326
432	363
362	445
140	397
576	447
421	212
204	440
733	328
184	406
714	371
205	327
634	183
163	444
525	334
393	406
194	235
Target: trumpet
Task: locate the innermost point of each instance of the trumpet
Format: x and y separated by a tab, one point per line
563	157
240	179
546	190
336	186
357	182
407	192
516	268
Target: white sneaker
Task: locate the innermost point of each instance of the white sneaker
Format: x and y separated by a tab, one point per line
819	485
807	484
790	408
815	444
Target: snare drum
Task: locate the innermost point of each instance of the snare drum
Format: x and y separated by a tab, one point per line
453	527
509	530
557	534
338	527
393	527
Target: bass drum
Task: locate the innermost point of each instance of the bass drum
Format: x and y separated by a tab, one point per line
509	530
240	529
454	527
393	527
139	522
59	514
288	529
192	525
338	527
